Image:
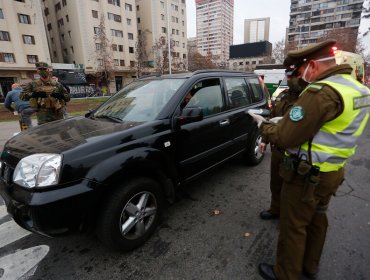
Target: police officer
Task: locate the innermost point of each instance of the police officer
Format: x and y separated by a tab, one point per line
47	96
283	102
319	134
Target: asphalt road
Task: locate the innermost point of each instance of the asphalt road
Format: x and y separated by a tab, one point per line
192	243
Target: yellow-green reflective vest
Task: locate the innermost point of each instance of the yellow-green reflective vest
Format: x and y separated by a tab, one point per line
335	142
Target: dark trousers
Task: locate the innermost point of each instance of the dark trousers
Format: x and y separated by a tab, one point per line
302	226
276	182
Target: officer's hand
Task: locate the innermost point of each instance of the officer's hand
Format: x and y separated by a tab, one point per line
39	94
262	147
58	95
257	118
276	119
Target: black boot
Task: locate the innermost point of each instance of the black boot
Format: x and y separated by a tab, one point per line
266	271
267	215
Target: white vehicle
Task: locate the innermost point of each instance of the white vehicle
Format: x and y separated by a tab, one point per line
271	77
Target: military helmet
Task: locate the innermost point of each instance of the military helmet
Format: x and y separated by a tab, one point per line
40	65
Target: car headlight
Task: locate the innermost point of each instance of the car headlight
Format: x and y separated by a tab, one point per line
38	170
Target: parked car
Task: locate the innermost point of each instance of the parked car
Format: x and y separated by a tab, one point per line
113	169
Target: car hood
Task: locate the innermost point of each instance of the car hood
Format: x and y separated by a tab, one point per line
61	136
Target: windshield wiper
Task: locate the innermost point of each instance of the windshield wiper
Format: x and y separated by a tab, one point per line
115	119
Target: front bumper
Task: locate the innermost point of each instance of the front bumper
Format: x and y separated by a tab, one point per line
51	212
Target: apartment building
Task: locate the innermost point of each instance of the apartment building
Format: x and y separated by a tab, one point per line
311	20
163	19
256	30
74	31
22	41
214	27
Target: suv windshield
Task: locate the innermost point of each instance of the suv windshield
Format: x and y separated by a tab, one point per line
139	101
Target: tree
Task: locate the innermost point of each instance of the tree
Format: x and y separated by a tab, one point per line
103	55
160	49
278	52
366	14
346	38
141	53
196	61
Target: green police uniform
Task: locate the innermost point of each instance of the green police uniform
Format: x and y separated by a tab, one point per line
47	97
321	128
283	102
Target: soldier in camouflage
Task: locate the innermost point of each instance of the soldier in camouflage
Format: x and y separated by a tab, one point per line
46	96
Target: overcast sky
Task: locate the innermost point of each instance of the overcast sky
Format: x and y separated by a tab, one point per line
277	10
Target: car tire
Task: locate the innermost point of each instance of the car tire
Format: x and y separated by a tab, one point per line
253	156
130	214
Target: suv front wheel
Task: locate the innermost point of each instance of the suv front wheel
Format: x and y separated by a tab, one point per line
253	155
130	214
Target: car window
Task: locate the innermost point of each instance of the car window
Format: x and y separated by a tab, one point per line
139	101
237	92
207	94
257	91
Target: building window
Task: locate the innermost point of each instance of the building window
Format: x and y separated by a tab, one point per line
7	57
28	39
64	3
128	21
132	63
49	26
162	16
24	18
138	20
121	62
100	61
52	40
65	52
72	49
32	59
116	62
128	7
97	46
20	1
131	49
62	35
114	47
95	14
96	30
164	30
139	32
4	36
60	22
162	4
46	11
114	17
67	18
137	8
57	7
115	2
130	36
117	33
55	54
1	14
120	48
69	34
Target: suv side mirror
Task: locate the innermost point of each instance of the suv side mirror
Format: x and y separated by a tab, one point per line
190	114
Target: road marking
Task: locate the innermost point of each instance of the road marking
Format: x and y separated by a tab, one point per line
10	232
22	263
3	212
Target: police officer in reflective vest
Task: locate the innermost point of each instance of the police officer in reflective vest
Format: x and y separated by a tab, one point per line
319	134
46	96
280	105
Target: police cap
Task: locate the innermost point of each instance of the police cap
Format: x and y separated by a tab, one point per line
41	65
313	51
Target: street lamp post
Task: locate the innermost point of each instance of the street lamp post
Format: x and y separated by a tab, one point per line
169	38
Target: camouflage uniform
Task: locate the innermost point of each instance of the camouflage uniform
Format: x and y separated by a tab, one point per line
48	108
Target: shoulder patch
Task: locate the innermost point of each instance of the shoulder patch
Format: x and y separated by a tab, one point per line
296	113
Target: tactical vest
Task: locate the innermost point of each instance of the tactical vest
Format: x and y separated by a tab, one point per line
335	142
48	102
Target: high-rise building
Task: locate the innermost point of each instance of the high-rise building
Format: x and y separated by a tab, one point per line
311	20
22	42
75	34
215	21
156	19
256	30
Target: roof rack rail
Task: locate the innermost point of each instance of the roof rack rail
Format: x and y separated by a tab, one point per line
217	70
158	74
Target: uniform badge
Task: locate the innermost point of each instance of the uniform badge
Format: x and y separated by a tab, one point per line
296	113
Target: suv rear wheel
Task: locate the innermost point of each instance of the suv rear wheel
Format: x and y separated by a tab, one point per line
130	214
253	155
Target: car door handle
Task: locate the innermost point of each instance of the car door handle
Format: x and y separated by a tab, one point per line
224	122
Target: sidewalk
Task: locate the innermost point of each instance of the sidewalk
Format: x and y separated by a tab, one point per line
7	130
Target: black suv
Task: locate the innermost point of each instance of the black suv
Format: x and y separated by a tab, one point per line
114	168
